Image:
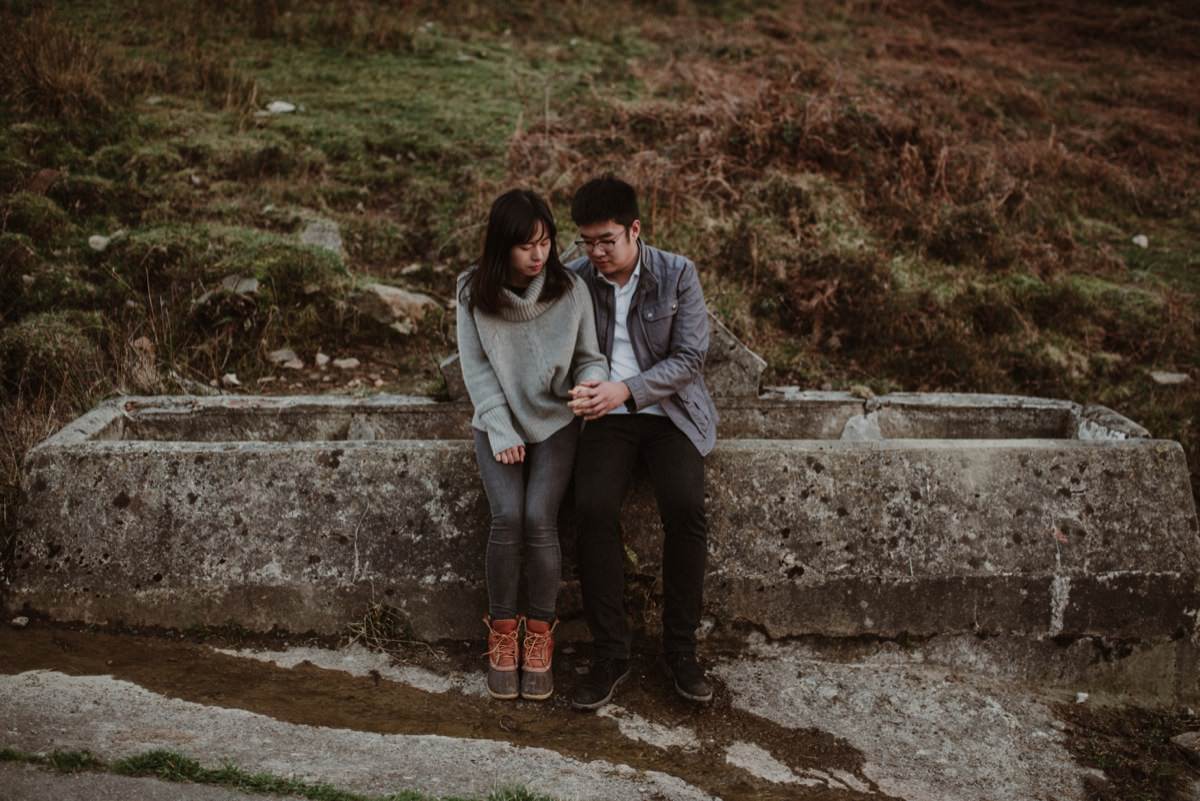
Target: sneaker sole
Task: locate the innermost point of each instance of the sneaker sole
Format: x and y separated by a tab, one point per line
700	699
611	690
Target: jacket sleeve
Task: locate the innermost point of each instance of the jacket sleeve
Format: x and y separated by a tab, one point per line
588	362
688	346
482	385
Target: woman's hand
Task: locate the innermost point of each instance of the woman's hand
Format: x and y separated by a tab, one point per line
513	455
594	399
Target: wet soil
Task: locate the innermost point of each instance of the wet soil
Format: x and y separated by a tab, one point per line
1133	747
309	695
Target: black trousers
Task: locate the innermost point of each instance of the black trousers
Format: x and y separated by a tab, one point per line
609	449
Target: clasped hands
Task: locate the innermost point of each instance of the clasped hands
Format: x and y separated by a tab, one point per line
590	400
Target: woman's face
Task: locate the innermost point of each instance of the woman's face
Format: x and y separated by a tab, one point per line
528	259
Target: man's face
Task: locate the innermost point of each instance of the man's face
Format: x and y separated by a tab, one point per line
611	247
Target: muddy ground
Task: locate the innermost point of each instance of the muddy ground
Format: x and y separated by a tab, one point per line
782	726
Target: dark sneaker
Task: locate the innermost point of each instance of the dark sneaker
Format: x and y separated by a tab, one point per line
597	687
689	678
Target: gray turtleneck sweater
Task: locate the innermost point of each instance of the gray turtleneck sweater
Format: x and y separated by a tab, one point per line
519	364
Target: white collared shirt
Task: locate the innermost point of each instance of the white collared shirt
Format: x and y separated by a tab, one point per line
624	362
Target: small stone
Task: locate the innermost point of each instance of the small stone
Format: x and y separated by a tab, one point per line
1081	698
280	107
378	382
153	100
322	359
196	180
28	280
230	380
325	379
412	269
294	364
1189	744
346	364
98	243
354	383
281	356
267	379
1142	241
20	622
1169	379
239	285
323	233
393	306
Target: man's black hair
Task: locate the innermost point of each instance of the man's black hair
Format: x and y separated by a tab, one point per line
603	199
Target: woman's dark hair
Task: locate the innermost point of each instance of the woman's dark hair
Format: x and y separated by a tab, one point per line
514	219
603	199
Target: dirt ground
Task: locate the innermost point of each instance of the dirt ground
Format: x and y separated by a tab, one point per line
317	697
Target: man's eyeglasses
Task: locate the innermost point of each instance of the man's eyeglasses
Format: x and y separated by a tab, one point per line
597	245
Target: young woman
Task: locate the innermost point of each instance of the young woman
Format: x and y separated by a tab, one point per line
526	336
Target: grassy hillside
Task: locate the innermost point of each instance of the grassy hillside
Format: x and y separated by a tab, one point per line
916	196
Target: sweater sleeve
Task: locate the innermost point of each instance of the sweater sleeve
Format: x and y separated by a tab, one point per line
482	385
588	362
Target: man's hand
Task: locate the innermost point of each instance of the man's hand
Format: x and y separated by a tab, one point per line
513	455
594	399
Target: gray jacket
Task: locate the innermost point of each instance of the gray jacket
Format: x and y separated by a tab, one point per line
670	339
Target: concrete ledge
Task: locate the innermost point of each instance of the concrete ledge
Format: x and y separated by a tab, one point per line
299	513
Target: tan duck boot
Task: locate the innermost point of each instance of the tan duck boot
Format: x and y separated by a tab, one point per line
502	677
537	654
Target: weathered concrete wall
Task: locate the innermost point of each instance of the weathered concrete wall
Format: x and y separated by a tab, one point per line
830	537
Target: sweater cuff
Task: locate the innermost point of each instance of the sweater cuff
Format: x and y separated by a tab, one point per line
500	431
592	372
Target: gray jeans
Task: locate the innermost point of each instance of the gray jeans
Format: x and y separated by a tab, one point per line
524	500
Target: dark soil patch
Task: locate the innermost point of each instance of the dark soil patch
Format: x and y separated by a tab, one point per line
1133	747
314	696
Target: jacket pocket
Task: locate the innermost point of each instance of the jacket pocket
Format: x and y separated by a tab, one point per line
657	321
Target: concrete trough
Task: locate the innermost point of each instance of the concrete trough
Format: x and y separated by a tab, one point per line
832	516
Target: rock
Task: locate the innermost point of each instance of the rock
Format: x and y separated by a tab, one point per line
412	269
392	306
456	387
20	622
323	233
348	363
100	243
282	356
862	428
1189	744
731	369
280	107
239	285
322	359
267	379
378	383
293	364
1081	698
1142	241
230	380
1169	379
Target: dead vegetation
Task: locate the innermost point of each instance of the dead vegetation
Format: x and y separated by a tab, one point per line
916	196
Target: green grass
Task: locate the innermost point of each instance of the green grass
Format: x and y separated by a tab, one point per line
173	767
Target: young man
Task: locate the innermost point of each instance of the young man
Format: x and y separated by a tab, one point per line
652	325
